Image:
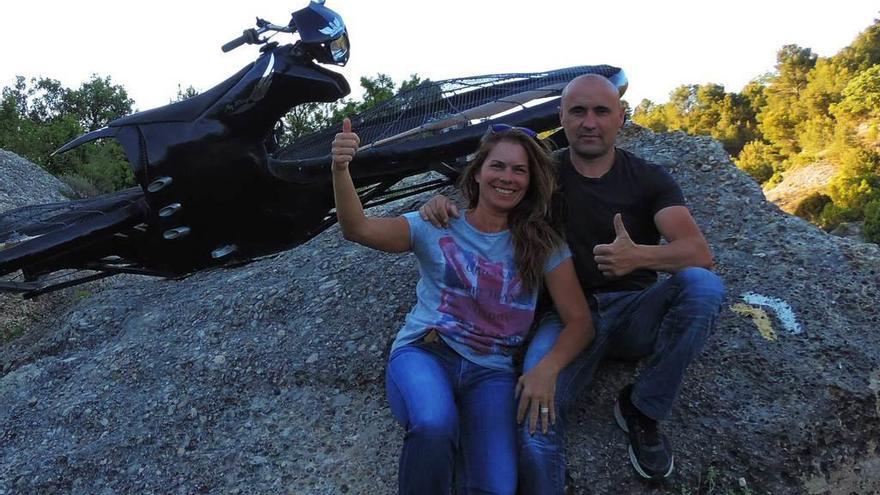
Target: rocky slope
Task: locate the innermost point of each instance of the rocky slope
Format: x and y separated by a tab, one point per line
799	183
24	183
268	378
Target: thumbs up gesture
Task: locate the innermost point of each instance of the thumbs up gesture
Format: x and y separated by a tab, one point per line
344	146
621	256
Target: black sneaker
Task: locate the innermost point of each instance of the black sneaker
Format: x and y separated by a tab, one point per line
649	450
569	484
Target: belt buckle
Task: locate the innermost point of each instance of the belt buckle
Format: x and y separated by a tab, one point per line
431	337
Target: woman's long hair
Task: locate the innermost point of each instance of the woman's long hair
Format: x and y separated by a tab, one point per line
531	227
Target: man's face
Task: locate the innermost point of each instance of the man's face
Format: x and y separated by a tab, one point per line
591	115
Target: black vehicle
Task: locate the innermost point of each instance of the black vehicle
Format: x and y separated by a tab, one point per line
213	188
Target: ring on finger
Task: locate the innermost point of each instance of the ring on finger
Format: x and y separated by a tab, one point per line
545	410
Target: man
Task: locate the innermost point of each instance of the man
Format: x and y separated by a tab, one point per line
616	208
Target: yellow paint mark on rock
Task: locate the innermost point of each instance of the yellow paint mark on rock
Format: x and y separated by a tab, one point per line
759	317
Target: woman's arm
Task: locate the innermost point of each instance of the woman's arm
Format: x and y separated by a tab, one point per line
384	234
537	387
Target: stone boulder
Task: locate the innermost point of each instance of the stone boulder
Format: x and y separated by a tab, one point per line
269	377
26	183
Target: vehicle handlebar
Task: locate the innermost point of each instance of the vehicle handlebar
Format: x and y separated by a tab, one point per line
247	36
252	36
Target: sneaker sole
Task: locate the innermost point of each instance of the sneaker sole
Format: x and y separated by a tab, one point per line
643	474
618	418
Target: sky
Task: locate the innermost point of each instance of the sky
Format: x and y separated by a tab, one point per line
152	47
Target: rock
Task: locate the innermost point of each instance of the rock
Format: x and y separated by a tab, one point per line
25	183
851	230
800	182
299	406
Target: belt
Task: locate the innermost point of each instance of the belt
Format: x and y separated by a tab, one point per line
431	337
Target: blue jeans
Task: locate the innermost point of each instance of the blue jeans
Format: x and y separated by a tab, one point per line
668	323
457	414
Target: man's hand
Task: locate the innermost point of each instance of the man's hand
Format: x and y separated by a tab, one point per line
344	146
438	210
621	256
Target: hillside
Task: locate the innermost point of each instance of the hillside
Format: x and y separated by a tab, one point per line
268	378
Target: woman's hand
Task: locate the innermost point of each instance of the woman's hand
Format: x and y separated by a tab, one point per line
344	146
536	390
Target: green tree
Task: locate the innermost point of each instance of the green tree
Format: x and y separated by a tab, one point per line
651	115
784	110
310	117
758	159
307	118
864	52
861	97
184	94
97	101
705	109
40	115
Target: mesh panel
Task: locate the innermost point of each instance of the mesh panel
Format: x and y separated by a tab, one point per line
431	107
29	221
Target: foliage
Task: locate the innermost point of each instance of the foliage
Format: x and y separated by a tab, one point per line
872	221
810	208
310	117
97	102
809	108
757	159
40	115
80	186
184	94
705	109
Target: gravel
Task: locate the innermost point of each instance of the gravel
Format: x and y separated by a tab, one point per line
269	377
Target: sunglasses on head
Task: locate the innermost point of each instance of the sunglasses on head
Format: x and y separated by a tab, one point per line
504	127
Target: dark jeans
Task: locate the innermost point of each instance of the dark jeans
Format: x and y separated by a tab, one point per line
668	323
456	414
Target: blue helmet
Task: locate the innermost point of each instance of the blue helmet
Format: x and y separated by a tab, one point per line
323	32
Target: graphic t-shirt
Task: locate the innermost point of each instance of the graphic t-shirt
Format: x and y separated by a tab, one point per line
470	291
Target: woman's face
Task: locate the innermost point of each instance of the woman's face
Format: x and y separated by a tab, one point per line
503	177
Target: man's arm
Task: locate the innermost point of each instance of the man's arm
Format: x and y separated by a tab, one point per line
438	211
685	247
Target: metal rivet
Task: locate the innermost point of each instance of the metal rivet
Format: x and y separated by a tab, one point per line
176	233
159	184
223	251
169	210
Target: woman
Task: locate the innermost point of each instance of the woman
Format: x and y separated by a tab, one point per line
450	377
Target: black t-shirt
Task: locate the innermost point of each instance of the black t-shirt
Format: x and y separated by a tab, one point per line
632	187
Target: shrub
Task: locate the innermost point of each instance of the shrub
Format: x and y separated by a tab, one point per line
81	186
833	215
872	221
758	160
810	208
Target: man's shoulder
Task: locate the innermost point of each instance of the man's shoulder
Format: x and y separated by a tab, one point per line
642	167
559	155
633	160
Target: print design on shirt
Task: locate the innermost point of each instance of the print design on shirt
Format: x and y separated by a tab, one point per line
482	302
